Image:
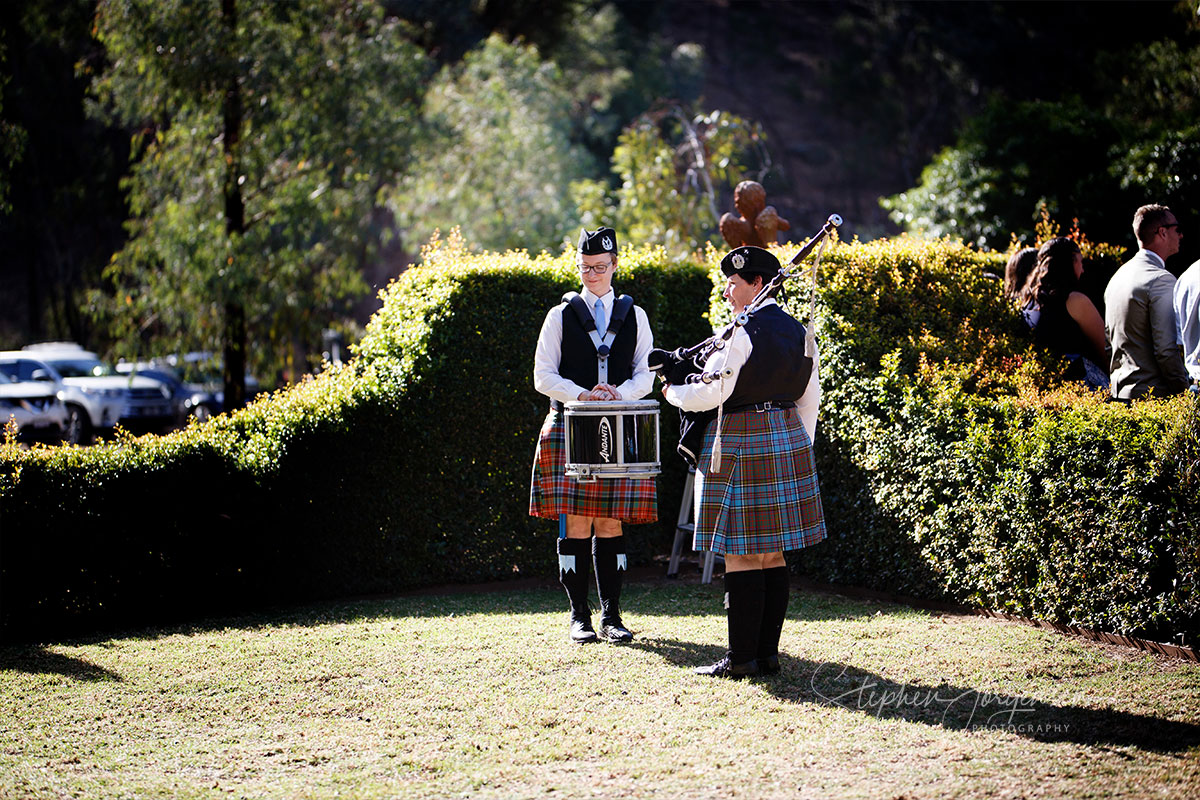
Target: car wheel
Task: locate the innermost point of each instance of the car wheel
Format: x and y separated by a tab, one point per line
79	428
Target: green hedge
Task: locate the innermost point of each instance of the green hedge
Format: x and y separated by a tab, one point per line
407	468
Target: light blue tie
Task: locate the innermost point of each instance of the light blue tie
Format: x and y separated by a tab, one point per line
601	323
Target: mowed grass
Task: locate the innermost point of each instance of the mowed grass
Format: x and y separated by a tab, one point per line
482	695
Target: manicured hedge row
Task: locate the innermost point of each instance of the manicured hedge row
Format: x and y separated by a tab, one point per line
409	467
233	513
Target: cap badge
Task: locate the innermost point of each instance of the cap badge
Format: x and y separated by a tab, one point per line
606	243
738	261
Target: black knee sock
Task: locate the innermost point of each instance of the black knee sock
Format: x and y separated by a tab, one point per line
609	560
777	584
573	572
744	613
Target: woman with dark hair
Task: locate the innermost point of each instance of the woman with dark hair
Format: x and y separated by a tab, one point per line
1017	271
1067	320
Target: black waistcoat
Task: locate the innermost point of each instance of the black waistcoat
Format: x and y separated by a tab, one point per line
777	369
579	354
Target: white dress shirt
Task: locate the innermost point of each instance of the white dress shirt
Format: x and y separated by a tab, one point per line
548	356
1186	300
735	354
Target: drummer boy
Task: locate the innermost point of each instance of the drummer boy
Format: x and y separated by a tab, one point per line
592	339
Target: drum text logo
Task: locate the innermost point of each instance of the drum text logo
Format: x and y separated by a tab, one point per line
606	437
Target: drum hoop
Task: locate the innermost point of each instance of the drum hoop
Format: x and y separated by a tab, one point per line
597	407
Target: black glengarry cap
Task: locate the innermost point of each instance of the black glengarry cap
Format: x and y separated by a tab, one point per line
749	261
601	240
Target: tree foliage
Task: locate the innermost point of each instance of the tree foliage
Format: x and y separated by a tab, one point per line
264	132
12	142
1160	106
1130	139
65	209
1009	161
671	168
499	160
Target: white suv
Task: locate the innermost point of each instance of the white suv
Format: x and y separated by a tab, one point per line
35	405
96	397
89	408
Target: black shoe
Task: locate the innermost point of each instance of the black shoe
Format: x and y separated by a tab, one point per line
614	632
768	665
581	629
727	669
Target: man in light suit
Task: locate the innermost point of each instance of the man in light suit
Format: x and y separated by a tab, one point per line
1139	317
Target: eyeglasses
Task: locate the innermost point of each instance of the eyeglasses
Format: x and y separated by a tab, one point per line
598	269
1170	225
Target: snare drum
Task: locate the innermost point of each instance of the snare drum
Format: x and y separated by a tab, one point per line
608	439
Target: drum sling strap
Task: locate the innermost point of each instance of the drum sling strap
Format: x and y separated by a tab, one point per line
603	346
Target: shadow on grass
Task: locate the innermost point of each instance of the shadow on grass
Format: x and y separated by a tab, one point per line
37	660
952	707
969	708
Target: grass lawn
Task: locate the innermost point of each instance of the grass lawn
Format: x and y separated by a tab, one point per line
482	695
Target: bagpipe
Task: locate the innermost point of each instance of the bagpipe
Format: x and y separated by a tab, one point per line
689	365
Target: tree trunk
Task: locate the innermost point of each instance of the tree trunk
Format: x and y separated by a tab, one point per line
235	221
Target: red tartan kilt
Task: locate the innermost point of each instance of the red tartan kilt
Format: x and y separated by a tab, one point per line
765	498
632	500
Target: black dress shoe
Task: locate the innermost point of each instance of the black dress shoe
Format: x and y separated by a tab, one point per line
768	665
614	631
581	629
727	669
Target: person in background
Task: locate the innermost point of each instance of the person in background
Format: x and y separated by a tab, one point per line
1139	316
1187	319
1017	271
1067	322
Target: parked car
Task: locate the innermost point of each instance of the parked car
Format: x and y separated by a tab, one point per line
143	404
90	409
40	413
189	399
203	370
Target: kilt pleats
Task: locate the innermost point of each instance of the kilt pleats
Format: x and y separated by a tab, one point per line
765	498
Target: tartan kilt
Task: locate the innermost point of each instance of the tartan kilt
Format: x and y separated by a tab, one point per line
551	492
765	498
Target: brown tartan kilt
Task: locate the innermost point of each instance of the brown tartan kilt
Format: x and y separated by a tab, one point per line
551	492
765	499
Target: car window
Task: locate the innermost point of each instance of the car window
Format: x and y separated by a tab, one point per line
158	375
8	371
81	367
20	369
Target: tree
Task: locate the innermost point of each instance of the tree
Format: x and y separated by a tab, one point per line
500	161
672	167
1009	161
1127	137
65	205
12	142
1158	156
265	131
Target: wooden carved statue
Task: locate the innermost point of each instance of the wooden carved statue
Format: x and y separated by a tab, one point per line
758	224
